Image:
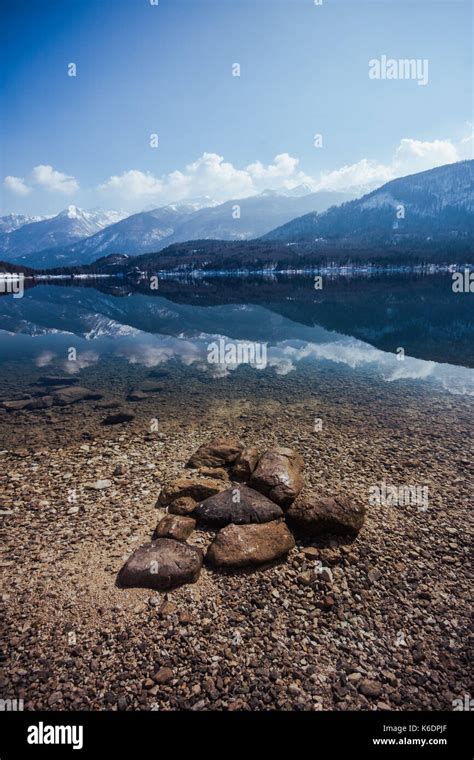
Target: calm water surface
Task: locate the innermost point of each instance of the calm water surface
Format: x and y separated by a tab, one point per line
397	327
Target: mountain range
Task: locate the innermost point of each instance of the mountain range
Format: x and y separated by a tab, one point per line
31	237
78	237
12	222
434	204
430	208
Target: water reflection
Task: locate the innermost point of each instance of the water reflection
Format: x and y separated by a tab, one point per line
365	322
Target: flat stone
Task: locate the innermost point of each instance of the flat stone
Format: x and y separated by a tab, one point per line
196	488
163	675
307	578
279	475
354	677
162	564
41	402
214	472
374	575
16	404
312	515
184	505
240	505
137	395
98	485
117	419
250	545
44	402
167	609
245	464
175	526
73	394
55	380
370	688
216	453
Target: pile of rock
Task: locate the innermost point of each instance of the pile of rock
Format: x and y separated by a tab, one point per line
257	504
54	391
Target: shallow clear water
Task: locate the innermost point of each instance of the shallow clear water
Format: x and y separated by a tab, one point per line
397	327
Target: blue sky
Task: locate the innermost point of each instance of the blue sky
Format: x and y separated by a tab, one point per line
167	70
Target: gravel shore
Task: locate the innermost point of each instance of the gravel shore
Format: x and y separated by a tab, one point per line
386	628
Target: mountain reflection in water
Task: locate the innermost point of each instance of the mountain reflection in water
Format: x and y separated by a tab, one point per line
358	321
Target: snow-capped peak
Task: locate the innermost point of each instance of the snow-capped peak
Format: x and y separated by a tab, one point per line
194	204
12	222
294	192
298	191
73	212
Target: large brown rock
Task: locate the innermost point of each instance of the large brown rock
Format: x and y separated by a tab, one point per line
70	395
245	464
279	475
216	453
178	527
238	505
44	402
312	515
59	397
16	405
163	564
197	488
244	545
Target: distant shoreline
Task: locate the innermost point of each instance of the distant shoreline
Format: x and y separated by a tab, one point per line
336	270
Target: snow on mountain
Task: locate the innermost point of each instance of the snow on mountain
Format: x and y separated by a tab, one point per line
248	218
298	191
85	223
67	227
437	202
99	326
139	233
12	222
203	201
198	218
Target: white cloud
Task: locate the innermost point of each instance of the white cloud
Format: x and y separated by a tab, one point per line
17	185
283	172
409	157
284	357
416	156
45	358
45	176
209	175
364	175
84	359
133	183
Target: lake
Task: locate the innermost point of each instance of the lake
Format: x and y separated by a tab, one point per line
395	328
